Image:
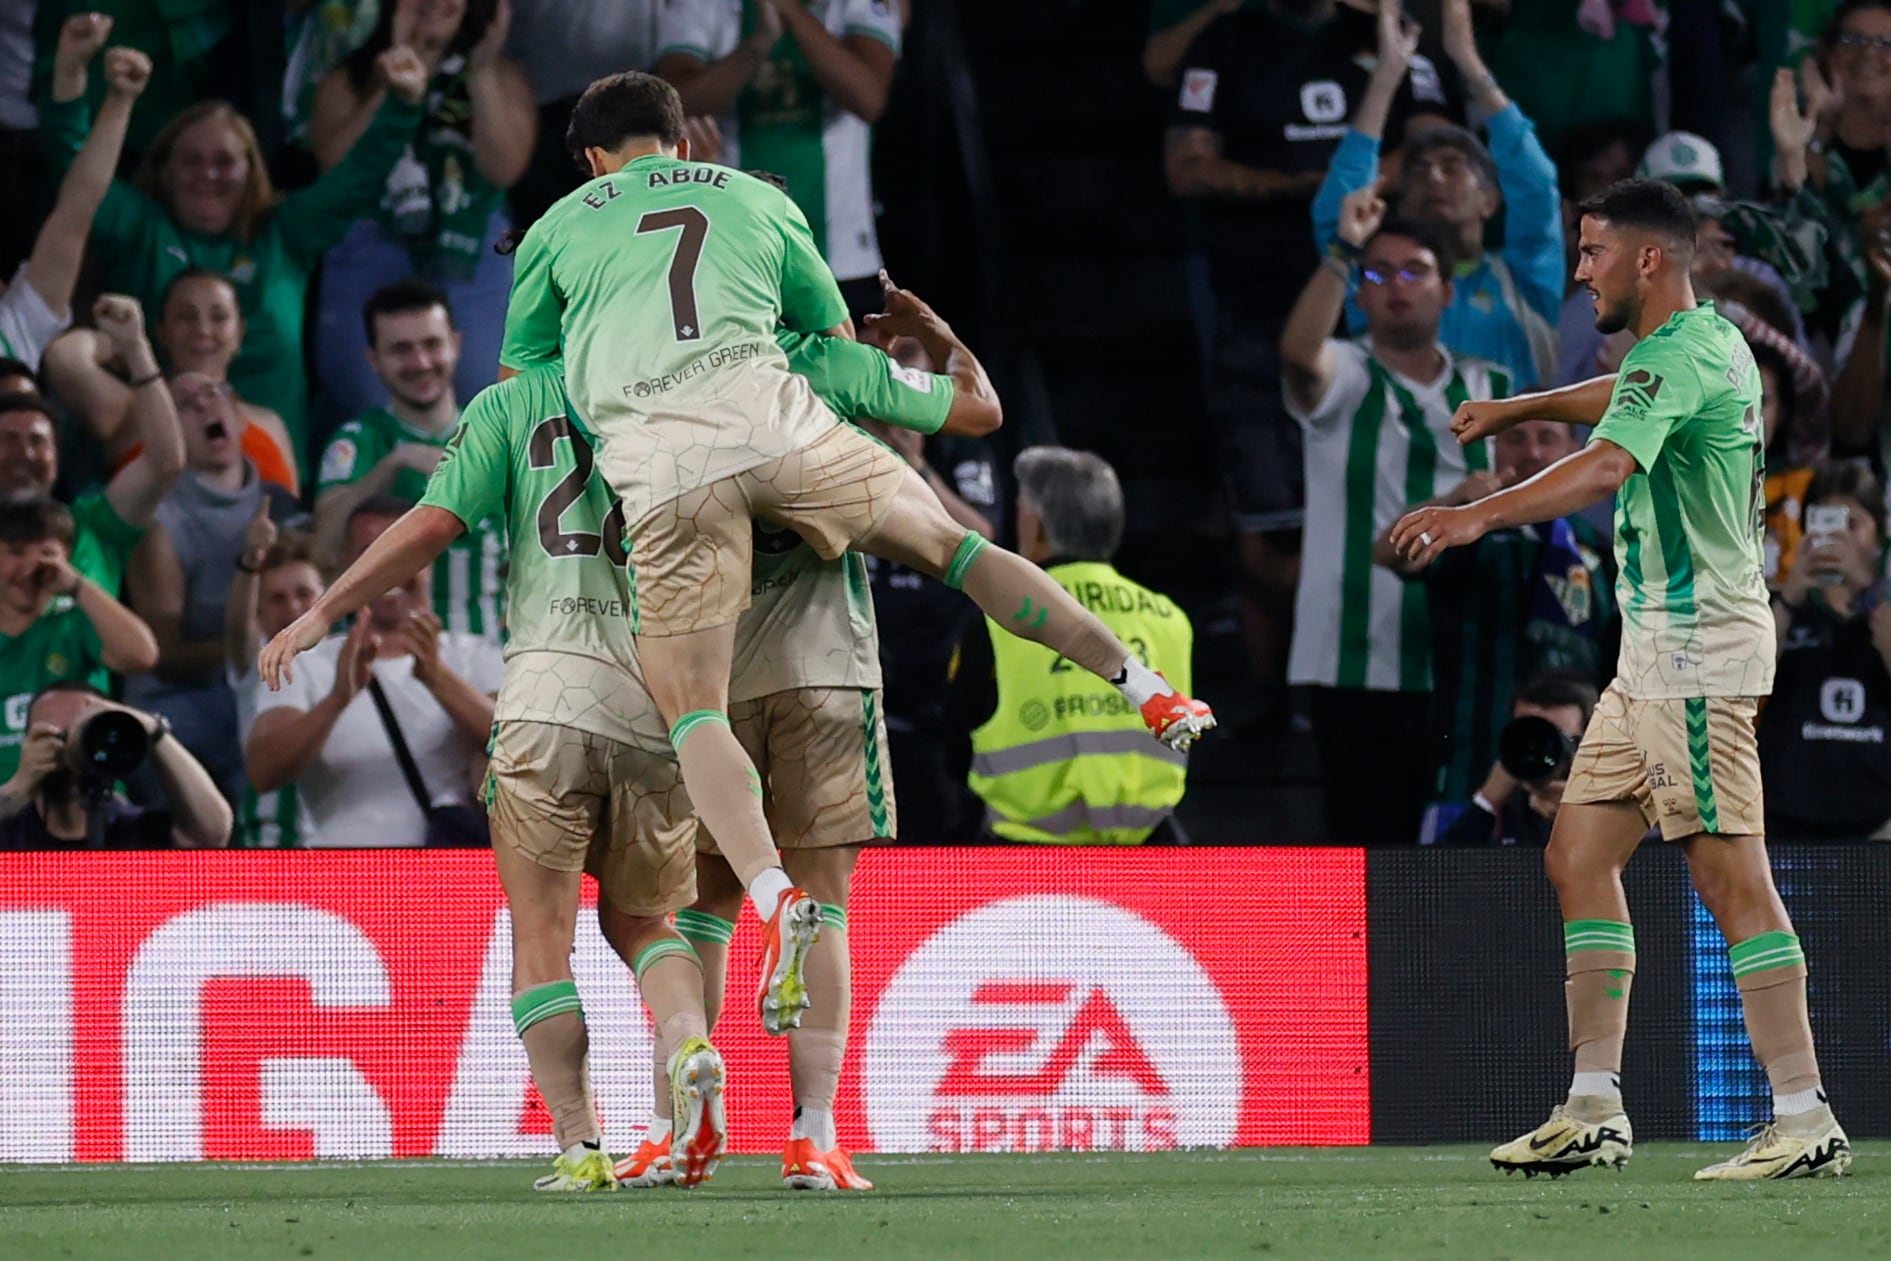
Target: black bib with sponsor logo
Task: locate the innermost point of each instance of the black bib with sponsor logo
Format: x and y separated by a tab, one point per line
1825	736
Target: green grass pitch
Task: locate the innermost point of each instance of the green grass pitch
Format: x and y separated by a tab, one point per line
1363	1204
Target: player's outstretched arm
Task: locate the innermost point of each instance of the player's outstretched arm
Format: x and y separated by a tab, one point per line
407	547
976	410
1572	483
1580	404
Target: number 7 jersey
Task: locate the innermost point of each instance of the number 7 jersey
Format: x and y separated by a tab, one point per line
663	285
1689	523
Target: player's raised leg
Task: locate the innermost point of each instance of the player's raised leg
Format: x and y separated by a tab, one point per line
693	561
1590	845
1735	882
1025	600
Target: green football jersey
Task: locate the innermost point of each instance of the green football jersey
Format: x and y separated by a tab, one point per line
60	644
661	286
810	622
468	583
1689	524
570	658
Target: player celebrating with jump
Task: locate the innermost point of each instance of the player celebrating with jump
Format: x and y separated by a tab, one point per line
661	283
1679	441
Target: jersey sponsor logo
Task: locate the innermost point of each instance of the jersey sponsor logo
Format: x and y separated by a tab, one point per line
1110	1037
1426	84
912	378
338	461
1198	90
721	357
1323	101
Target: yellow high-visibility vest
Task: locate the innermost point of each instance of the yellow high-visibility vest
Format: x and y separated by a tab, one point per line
1064	758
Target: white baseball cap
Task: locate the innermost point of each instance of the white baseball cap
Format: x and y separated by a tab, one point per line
1685	159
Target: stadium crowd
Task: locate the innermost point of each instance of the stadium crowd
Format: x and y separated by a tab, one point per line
238	335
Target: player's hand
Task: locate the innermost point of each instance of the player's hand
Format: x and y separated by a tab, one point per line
1476	420
1475	487
404	73
1398	41
420	637
273	663
767	30
80	39
1360	214
121	319
1421	537
705	138
127	72
906	314
418	456
41	753
356	664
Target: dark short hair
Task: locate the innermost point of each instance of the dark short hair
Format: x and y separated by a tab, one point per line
1849	480
1449	136
410	293
194	273
388	506
619	106
1553	688
1428	235
769	177
35	521
1649	205
21	401
11	367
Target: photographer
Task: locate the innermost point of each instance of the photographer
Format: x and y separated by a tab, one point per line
78	744
1519	798
1822	736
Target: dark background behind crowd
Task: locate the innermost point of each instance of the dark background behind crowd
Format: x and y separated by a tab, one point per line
250	282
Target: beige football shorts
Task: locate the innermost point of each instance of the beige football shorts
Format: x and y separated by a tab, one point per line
573	801
822	752
692	555
1692	765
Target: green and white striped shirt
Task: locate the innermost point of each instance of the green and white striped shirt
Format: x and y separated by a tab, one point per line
1375	445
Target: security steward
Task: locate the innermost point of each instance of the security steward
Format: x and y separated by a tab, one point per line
1058	757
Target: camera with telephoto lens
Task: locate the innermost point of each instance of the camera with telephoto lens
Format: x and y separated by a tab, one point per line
106	746
1534	750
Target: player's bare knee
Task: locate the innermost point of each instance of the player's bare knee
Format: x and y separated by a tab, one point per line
826	873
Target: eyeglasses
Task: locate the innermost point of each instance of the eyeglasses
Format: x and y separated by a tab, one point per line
1858	39
1408	275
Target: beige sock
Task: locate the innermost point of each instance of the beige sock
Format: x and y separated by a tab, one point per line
555	1047
1597	997
1774	1002
726	791
1026	601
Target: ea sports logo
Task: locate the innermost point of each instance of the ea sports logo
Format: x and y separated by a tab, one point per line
1051	1023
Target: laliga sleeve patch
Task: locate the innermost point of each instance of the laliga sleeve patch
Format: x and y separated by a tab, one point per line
338	461
912	378
1198	90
